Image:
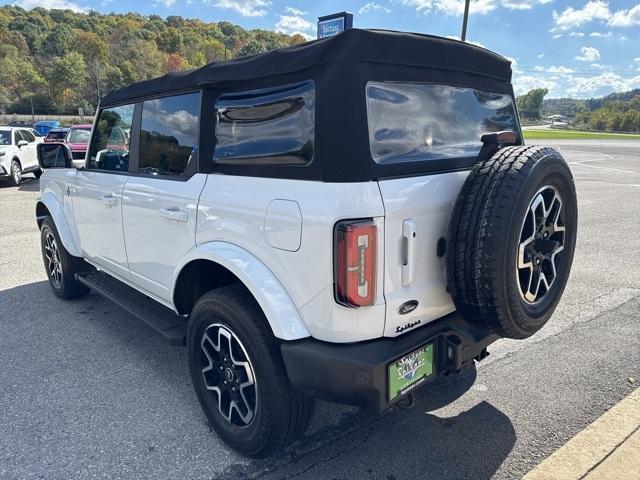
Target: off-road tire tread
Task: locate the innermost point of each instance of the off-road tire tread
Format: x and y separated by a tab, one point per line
473	251
71	288
295	410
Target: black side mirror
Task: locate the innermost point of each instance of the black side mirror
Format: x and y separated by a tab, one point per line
54	155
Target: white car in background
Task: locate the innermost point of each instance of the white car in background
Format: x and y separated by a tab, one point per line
18	154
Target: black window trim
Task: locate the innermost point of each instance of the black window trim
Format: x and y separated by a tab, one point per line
309	171
132	142
194	167
134	146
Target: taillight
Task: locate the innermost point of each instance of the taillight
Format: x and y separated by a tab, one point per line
355	262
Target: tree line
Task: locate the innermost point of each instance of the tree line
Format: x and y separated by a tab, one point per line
616	112
56	61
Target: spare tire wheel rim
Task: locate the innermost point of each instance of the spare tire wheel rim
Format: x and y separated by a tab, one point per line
542	239
228	374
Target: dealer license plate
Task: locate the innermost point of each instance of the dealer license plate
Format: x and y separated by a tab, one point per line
410	371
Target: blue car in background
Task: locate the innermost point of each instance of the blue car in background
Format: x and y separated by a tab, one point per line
44	126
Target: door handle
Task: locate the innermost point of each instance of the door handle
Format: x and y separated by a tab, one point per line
174	213
409	242
108	199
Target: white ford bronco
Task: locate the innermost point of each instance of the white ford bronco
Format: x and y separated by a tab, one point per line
346	219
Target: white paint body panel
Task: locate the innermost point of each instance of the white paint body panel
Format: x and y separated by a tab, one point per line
53	188
159	222
233	209
275	235
272	297
283	225
97	213
26	155
420	205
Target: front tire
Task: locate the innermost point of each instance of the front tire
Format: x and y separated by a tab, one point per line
239	377
61	267
16	173
37	173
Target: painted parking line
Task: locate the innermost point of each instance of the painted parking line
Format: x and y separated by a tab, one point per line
606	449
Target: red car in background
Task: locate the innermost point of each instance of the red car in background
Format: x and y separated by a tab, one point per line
78	139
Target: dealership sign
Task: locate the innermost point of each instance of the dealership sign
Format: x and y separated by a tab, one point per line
331	25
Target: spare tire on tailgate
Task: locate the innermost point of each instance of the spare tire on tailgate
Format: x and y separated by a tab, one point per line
511	240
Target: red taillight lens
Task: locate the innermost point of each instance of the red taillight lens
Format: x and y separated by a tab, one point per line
355	264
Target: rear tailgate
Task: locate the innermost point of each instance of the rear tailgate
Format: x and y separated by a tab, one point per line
417	212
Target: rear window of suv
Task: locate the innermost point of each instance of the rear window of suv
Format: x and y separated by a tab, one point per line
410	122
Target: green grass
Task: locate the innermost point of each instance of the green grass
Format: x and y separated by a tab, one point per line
571	134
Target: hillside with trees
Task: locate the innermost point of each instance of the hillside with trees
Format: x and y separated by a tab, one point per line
58	60
616	112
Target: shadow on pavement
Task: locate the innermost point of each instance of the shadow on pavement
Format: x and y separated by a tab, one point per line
92	335
413	444
29	184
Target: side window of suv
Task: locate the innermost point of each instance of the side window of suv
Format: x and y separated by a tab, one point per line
111	138
28	136
267	127
169	134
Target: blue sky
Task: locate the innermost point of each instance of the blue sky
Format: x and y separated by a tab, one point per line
575	48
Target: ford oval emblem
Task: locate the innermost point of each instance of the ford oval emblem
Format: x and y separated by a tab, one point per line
408	307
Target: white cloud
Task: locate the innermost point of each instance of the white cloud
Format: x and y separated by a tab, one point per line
561	70
294	11
523	83
295	24
588	54
572	18
600	34
553	69
626	18
540	55
246	8
451	7
522	5
576	34
371	6
51	4
585	87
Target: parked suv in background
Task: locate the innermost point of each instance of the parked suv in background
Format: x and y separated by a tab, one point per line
18	154
43	126
346	219
56	134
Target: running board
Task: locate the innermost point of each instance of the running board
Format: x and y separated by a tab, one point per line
165	321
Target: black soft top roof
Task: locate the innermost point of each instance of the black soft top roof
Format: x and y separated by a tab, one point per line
352	46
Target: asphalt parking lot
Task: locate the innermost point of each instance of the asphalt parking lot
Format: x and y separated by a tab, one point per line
86	391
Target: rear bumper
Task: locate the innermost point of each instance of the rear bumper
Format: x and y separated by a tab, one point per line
356	373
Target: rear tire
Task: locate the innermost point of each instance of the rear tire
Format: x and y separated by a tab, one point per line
511	240
37	173
269	413
61	267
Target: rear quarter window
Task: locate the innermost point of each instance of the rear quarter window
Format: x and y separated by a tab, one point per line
267	127
410	122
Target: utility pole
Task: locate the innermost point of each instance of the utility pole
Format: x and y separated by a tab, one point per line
463	37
